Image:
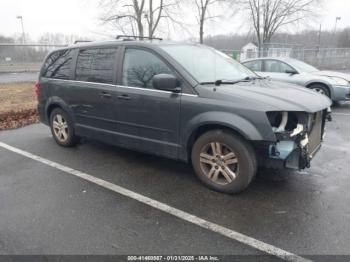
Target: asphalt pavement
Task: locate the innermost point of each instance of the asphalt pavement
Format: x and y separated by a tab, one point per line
47	211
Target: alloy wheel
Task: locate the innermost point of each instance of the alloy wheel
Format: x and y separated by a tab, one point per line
319	90
60	128
219	163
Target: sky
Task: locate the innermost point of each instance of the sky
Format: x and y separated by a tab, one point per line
81	17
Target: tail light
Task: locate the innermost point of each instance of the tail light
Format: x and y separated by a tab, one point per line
37	89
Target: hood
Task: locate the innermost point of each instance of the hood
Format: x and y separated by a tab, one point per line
277	95
333	73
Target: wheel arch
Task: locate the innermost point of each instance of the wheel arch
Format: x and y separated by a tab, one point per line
56	102
309	85
230	122
202	129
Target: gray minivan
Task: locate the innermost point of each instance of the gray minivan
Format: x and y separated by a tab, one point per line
182	101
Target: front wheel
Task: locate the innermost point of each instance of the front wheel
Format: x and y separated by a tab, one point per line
320	89
223	161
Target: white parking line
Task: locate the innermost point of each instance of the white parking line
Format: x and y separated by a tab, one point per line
254	243
341	114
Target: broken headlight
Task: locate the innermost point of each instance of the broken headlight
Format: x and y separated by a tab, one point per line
291	131
283	121
290	123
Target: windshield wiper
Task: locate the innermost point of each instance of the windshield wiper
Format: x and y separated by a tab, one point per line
252	78
227	82
232	82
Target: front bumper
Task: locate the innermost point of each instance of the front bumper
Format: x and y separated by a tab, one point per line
295	149
341	93
282	156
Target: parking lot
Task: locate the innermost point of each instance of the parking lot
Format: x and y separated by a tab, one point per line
48	208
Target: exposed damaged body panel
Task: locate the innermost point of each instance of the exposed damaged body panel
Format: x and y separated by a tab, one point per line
298	137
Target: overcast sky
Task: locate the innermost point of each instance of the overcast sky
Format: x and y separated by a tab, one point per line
81	17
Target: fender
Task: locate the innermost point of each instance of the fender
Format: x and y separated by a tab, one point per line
229	120
322	82
225	119
57	101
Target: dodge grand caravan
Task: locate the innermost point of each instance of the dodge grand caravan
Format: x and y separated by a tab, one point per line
182	101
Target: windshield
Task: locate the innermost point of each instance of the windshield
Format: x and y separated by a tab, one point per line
303	67
206	64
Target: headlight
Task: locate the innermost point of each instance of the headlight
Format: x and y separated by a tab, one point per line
339	81
283	121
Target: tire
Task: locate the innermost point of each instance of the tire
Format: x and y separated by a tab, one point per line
217	150
320	89
61	121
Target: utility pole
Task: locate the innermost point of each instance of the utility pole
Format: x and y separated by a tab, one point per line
23	34
319	36
338	18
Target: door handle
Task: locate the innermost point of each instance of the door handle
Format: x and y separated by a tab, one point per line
105	95
124	97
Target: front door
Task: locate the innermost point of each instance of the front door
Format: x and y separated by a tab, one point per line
277	70
148	119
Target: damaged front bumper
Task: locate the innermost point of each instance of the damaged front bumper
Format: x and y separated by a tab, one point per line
294	154
295	148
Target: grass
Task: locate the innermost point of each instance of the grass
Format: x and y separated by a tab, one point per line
17	97
17	105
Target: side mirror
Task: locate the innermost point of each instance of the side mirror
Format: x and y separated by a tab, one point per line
166	82
292	72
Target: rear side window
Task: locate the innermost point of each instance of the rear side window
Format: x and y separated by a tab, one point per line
254	65
58	65
96	65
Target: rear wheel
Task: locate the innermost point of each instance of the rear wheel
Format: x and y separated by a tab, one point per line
62	128
223	161
320	89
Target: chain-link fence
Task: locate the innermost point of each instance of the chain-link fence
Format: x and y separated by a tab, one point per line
28	58
23	58
322	58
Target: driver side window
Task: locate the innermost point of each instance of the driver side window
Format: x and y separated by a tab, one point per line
140	66
275	66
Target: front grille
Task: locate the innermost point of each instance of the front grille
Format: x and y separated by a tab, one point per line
315	135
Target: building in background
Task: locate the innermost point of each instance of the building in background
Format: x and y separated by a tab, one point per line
251	50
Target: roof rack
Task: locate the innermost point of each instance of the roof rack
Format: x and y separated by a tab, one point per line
131	37
81	41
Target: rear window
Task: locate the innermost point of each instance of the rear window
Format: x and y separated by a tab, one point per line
58	65
96	65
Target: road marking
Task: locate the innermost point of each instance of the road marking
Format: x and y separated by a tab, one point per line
252	242
341	114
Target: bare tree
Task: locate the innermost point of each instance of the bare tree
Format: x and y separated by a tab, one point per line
268	16
203	14
134	16
153	16
126	15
